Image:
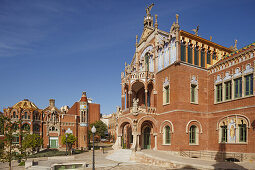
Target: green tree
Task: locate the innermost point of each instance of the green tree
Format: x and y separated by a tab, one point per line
101	128
10	135
70	140
32	141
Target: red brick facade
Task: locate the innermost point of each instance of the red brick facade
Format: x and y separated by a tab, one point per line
181	92
51	123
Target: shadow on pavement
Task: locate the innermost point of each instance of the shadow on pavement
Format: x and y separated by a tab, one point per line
223	162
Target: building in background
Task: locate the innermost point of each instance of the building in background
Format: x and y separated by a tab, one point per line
52	123
182	92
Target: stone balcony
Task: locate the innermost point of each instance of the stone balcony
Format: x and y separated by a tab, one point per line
139	75
141	109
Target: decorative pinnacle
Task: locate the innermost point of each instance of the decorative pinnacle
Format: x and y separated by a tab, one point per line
156	21
177	16
235	47
136	37
210	38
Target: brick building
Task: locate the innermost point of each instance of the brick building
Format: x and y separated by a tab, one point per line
183	92
52	123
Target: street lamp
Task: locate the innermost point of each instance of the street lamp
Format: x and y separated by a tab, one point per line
93	130
66	144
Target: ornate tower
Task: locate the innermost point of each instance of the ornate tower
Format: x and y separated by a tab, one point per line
83	128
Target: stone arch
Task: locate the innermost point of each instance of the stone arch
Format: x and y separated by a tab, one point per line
190	122
147	118
234	115
164	123
123	122
138	92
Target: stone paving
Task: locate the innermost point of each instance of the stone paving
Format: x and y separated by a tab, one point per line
120	160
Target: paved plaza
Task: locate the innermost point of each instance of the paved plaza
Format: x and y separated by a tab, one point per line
120	159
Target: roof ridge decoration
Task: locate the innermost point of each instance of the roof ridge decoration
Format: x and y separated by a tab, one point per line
237	51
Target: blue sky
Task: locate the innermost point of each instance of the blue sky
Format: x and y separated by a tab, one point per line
59	48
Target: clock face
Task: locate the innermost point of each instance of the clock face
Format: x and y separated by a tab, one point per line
83	106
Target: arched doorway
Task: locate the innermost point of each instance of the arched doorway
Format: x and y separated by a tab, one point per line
127	137
147	137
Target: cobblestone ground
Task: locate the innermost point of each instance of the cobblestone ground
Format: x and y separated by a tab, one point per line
133	167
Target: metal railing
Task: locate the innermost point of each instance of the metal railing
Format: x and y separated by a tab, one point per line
213	155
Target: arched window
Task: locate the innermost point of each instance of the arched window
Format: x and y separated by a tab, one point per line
26	115
233	129
183	51
14	114
192	134
25	127
167	135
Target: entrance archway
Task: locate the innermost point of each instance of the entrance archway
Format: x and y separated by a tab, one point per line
147	137
127	137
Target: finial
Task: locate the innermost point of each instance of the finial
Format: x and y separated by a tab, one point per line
125	64
210	38
156	21
136	37
148	9
177	16
196	30
235	47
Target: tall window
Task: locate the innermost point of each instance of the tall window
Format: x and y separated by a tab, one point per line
167	134
228	90
238	87
224	133
219	92
208	57
15	115
193	93
242	132
202	57
248	84
214	56
183	51
190	54
196	56
192	134
167	94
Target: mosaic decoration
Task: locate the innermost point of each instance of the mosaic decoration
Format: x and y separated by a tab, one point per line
238	51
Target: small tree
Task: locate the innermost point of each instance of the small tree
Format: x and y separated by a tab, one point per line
101	128
70	140
32	141
10	148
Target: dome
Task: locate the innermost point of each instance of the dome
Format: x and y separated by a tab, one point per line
25	104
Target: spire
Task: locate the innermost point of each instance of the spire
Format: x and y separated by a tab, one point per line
177	17
156	21
235	47
136	40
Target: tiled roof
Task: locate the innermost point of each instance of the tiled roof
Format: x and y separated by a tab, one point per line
236	52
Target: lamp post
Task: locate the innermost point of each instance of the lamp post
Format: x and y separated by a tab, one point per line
66	144
93	130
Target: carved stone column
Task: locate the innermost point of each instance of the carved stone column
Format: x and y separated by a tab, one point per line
146	97
130	98
138	142
156	140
